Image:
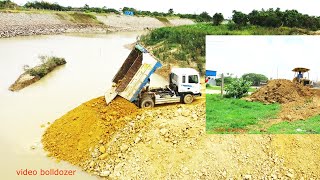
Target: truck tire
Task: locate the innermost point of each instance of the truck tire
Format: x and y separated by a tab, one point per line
187	99
147	102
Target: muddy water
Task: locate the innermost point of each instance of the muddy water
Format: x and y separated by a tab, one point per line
91	63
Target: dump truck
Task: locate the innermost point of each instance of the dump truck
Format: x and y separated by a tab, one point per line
299	76
133	78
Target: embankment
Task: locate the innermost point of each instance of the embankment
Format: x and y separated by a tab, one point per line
38	23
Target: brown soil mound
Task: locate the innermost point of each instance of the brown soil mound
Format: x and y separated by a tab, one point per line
70	137
23	81
281	91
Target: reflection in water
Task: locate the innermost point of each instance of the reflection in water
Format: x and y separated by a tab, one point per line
91	63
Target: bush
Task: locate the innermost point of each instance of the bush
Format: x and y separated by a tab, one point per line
48	64
237	88
254	78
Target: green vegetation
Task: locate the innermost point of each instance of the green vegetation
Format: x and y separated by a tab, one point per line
57	7
276	18
227	80
203	17
164	20
254	78
208	86
308	126
238	88
217	19
43	5
186	44
7	4
48	64
234	115
84	18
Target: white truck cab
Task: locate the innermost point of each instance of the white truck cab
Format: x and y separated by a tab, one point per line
185	80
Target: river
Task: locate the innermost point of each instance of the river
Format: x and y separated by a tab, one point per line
92	61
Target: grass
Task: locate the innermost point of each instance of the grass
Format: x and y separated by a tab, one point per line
226	115
164	20
251	89
84	18
308	126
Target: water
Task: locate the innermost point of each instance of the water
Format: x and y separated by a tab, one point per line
92	61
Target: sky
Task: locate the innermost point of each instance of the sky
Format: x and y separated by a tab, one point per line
191	6
273	56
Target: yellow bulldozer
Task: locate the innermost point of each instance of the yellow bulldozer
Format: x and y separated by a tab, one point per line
299	76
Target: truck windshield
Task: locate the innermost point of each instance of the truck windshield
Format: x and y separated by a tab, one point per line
193	79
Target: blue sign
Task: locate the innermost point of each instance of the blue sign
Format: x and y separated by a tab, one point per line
211	73
129	13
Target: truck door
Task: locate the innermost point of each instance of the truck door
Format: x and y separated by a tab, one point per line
194	83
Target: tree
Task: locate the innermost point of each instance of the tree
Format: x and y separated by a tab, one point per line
7	4
204	17
86	6
227	80
239	18
255	79
217	19
237	88
170	11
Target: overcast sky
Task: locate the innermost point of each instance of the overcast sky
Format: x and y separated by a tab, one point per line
273	56
310	7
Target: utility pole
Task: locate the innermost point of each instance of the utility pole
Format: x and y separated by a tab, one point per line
222	84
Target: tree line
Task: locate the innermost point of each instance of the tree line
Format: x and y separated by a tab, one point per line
203	17
7	4
253	78
276	18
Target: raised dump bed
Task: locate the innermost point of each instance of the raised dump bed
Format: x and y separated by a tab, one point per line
133	75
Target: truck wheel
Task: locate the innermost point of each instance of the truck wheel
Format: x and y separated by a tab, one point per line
147	102
187	99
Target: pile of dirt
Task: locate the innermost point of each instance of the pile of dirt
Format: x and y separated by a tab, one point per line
71	137
280	91
169	142
150	140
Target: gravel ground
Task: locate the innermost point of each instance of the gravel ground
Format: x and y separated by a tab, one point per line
27	24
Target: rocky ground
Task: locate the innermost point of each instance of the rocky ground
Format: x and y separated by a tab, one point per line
27	24
169	142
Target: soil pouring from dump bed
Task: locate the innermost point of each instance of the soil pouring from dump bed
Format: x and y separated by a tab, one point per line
70	137
280	91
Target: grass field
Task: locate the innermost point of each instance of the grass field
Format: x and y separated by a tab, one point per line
230	116
308	126
225	115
